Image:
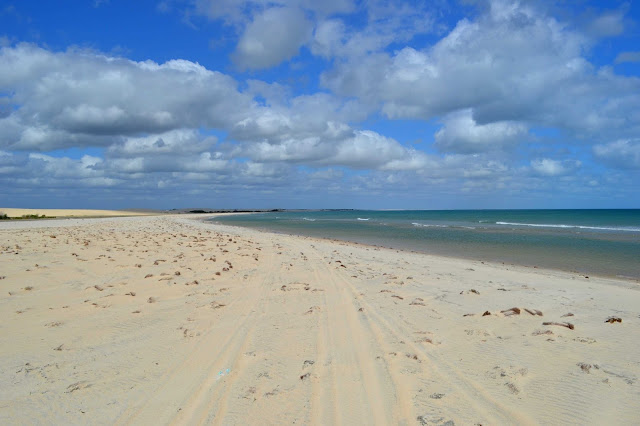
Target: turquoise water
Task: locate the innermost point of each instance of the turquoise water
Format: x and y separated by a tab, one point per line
604	242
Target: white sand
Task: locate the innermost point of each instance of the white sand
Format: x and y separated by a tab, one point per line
154	320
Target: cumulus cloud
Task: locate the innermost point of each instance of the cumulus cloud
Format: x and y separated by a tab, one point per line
550	167
513	63
492	81
83	98
55	167
318	115
328	38
462	134
174	142
45	171
491	63
387	22
273	36
361	150
623	154
146	114
272	31
149	118
327	174
129	173
370	150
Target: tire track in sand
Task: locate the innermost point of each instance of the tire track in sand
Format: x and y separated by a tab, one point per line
212	405
475	395
359	386
189	391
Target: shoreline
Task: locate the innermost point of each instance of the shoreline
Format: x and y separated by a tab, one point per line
206	218
436	253
272	328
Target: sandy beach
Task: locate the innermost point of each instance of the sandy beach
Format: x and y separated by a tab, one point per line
169	320
17	213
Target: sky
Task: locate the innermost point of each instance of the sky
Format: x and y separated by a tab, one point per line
366	104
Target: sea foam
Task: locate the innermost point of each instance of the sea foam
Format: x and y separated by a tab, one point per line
553	225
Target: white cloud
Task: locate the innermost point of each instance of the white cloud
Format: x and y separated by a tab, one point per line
490	81
360	150
387	22
328	38
273	36
462	134
174	142
370	150
511	64
273	31
55	171
623	154
63	98
146	114
319	115
262	170
550	167
327	174
26	133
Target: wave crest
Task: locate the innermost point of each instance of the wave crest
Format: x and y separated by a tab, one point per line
553	225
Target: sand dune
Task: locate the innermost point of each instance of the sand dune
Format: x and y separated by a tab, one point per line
168	320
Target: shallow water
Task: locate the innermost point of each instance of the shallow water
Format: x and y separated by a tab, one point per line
603	242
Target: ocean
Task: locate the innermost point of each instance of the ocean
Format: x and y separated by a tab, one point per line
601	242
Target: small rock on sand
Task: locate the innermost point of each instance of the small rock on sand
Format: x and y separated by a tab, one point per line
512	311
561	324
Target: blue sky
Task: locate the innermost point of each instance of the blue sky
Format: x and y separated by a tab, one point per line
333	104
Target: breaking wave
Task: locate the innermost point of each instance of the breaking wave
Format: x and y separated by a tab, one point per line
552	225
